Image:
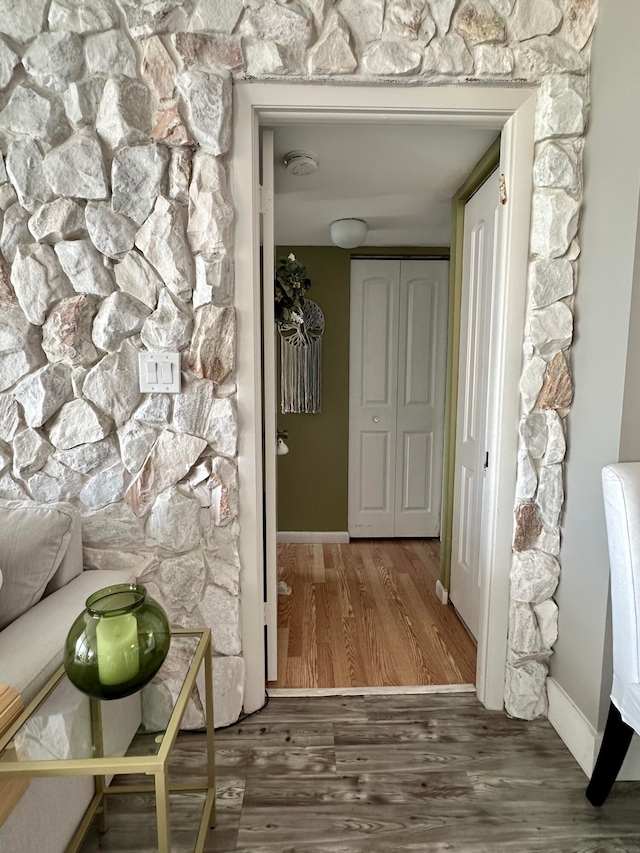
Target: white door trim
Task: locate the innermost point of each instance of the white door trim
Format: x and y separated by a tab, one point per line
264	103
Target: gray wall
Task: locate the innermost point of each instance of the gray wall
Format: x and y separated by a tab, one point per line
600	354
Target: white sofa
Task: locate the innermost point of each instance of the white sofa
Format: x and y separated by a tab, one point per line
31	649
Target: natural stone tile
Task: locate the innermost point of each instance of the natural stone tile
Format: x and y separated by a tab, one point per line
105	487
220	17
408	20
169	461
331	54
137	179
557	390
9	417
531	381
14	365
81	101
168	328
84	267
158	69
180	174
7	293
550	495
207	99
78	374
148	17
78	423
212	351
89	16
113	383
115	526
76	168
547	618
478	23
135	276
387	58
22	21
54	60
8	61
526	478
138	562
110	54
524	635
210	209
288	26
542	56
174	522
162	241
533	434
228	676
182	579
124	114
447	56
535	19
35	114
154	409
528	526
136	440
221	611
551	328
503	7
562	107
264	58
68	482
554	222
15	330
85	457
10	490
42	393
119	316
209	52
38	281
556	442
30	452
15	231
364	18
214	281
66	333
224	493
442	12
492	61
8	196
111	233
558	167
550	280
579	21
24	166
57	220
168	126
44	488
534	576
192	406
549	541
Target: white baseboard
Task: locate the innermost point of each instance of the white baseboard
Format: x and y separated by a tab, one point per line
420	689
312	537
580	737
442	593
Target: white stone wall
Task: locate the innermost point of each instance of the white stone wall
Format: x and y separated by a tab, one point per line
115	126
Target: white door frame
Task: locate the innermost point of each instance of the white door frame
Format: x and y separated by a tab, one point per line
285	103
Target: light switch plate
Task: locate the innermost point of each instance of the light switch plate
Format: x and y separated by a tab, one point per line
159	371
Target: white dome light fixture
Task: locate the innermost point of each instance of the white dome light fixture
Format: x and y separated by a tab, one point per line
348	233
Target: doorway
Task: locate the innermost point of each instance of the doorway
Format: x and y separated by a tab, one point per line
511	109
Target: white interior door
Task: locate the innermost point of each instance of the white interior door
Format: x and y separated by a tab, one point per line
373	369
422	343
478	279
270	402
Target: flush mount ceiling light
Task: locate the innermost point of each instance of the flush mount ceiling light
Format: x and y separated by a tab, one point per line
301	163
348	233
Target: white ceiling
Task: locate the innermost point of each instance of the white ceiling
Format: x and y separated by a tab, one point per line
399	178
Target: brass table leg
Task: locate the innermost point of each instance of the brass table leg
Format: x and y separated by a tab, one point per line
211	768
98	751
162	812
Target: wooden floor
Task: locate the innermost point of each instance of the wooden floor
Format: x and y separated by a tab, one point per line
366	615
383	774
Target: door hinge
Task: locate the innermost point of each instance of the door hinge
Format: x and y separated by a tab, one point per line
264	200
486	460
503	189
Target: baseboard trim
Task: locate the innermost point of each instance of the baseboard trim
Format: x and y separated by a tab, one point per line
442	593
312	537
579	736
419	689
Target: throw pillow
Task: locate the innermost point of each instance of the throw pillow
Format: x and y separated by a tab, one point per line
33	540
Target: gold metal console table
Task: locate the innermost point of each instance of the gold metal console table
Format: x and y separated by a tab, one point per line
155	765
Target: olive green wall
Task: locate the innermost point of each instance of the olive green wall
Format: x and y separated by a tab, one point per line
312	477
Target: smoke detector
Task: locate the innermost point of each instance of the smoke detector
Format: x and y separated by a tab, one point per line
301	162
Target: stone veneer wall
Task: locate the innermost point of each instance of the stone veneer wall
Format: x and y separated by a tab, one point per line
115	126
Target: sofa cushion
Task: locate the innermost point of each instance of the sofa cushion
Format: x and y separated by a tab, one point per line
31	648
71	564
33	541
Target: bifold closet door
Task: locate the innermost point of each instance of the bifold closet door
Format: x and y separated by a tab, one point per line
396	397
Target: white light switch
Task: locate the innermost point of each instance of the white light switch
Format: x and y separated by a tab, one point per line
159	371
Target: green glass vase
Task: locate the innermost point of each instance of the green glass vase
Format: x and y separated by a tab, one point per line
118	643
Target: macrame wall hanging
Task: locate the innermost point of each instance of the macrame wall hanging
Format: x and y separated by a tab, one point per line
301	361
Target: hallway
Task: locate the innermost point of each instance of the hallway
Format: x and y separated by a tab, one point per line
365	614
